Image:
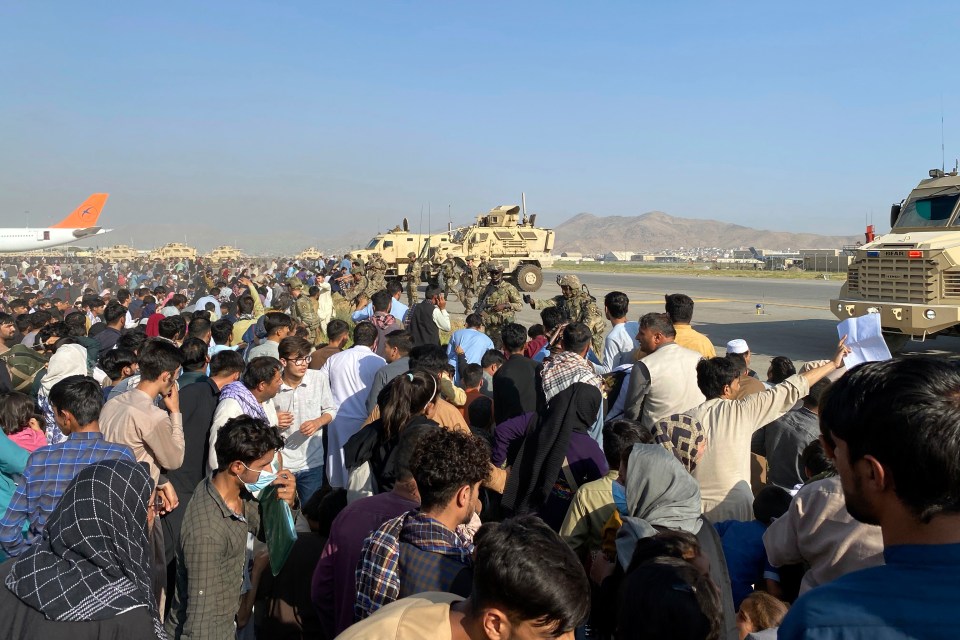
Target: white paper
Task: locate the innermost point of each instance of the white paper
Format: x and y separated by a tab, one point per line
865	339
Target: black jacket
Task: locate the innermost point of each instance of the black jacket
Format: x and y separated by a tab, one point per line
517	388
423	330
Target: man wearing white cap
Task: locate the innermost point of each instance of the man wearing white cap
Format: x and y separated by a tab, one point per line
740	345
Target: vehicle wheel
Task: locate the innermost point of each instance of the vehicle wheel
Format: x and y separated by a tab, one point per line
529	278
896	342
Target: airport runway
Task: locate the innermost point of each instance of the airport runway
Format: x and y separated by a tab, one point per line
794	322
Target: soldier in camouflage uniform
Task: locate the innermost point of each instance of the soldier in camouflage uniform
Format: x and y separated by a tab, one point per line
499	302
360	289
448	269
469	279
376	274
580	307
411	276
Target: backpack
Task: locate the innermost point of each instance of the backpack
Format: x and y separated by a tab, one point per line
24	363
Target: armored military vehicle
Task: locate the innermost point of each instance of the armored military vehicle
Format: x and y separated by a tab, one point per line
911	276
224	253
500	235
116	253
310	254
394	246
176	250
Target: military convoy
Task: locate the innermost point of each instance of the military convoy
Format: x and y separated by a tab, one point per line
176	250
224	253
499	236
911	276
116	253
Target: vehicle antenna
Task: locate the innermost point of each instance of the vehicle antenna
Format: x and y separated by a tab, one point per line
943	162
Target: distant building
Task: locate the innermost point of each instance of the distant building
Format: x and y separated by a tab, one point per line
618	256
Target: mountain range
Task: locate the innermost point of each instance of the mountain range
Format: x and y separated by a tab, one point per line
657	231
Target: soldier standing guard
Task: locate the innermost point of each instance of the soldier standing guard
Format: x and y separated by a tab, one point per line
579	305
499	302
411	276
468	285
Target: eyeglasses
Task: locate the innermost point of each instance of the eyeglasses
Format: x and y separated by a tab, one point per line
300	361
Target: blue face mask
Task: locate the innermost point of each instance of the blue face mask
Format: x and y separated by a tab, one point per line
265	479
620	498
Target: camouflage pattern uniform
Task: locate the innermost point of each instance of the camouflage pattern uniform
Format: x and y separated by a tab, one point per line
580	307
411	276
376	274
306	310
361	287
496	294
448	269
469	279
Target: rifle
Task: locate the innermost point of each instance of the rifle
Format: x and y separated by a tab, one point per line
482	301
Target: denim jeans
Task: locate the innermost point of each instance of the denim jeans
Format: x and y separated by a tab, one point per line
309	482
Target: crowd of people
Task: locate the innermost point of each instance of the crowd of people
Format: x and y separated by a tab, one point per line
198	451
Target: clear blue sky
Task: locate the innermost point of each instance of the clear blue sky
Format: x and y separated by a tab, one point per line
338	116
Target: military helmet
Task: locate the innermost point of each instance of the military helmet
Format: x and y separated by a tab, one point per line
411	255
294	283
470	258
494	267
569	281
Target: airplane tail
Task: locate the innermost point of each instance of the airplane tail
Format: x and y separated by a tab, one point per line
85	215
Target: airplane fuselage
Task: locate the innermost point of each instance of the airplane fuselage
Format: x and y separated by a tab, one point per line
12	239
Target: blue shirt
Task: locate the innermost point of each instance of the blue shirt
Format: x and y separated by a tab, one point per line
474	344
49	471
746	556
916	594
397	310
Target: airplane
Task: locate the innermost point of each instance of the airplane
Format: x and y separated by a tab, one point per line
76	226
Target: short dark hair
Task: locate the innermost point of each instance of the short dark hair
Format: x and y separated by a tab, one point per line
814	459
480	414
176	300
474	321
158	357
111	314
293	347
40	318
364	334
679	306
80	395
122	295
401	340
492	357
771	503
245	439
114	361
199	326
273	321
172	327
576	337
75	324
713	374
220	331
817	389
659	322
429	357
432	292
380	300
905	413
535	331
781	368
553	317
245	304
394	287
444	461
226	362
194	354
133	340
472	375
336	328
739	360
523	567
260	369
617	304
622	434
514	336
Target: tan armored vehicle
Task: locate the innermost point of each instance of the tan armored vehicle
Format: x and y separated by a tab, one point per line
394	246
311	253
224	253
518	245
176	250
911	276
116	253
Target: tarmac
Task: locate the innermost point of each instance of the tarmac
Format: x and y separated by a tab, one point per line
792	320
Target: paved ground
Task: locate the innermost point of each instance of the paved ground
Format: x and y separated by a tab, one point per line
794	321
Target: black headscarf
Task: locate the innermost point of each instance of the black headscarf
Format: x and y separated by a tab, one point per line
94	561
541	455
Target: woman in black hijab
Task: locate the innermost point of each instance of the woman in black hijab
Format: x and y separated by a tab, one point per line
557	456
90	575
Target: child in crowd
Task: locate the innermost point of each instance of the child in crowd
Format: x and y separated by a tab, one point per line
743	545
22	421
758	612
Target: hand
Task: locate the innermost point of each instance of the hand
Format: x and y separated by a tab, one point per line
172	400
441	302
842	350
286	487
459	350
310	427
600	568
169	496
284	419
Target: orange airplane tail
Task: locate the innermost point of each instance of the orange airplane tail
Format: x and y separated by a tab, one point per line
85	215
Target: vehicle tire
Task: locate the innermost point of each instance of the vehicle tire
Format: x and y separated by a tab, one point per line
529	278
896	342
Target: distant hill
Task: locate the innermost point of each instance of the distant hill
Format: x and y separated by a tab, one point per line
655	231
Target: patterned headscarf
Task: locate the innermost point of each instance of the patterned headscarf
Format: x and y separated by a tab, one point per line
682	436
94	560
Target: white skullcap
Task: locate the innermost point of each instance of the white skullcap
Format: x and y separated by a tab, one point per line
737	346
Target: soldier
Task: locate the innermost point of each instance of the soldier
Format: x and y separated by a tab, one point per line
579	305
483	269
412	277
499	302
361	287
468	285
306	310
376	274
448	269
